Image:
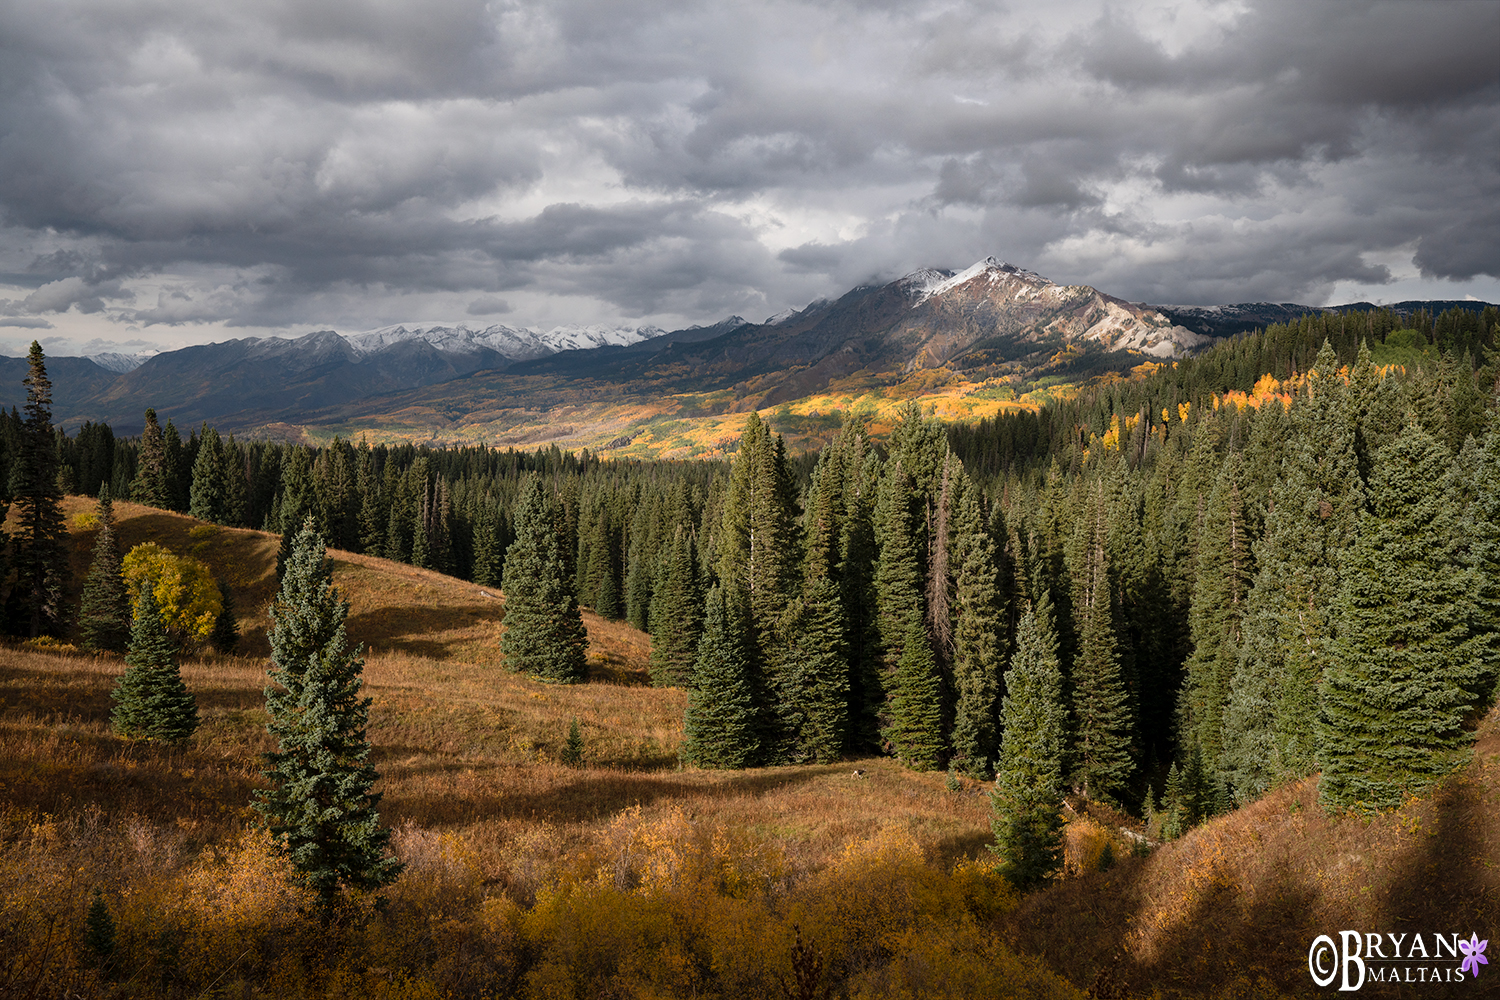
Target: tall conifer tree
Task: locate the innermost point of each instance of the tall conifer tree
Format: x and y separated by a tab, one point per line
1481	555
151	486
1103	762
104	611
858	554
151	702
544	633
898	574
1028	796
979	636
1310	522
1225	569
915	732
1391	718
676	614
721	729
40	560
817	673
759	556
209	495
320	808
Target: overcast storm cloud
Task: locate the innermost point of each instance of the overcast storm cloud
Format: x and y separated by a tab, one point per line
177	171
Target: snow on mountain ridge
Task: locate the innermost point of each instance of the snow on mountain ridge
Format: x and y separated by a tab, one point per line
509	342
925	283
121	363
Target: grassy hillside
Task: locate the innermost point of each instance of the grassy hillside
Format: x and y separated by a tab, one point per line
1246	893
630	876
491	825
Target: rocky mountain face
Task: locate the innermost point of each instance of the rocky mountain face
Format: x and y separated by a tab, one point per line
981	317
988	319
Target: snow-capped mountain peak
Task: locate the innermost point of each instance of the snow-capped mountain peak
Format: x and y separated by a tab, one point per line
927	282
509	342
121	363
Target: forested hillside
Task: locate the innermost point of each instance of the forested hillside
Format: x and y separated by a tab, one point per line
1223	546
1169	595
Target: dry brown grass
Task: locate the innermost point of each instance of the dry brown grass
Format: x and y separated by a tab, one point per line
463	743
469	757
1244	895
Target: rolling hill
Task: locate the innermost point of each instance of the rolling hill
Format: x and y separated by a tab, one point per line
524	874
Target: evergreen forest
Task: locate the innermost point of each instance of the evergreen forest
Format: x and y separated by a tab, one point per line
1275	558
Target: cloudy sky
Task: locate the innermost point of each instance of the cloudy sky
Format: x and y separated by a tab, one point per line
182	171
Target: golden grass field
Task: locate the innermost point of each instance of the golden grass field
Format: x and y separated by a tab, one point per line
480	808
689	425
630	876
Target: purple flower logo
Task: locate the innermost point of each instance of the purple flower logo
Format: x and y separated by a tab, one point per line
1473	950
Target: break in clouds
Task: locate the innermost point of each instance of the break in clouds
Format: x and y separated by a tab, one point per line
169	168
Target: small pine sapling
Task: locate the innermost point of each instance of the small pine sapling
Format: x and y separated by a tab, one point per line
99	931
572	751
226	633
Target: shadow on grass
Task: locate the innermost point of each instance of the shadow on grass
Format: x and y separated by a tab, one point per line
1111	933
411	632
584	799
1446	880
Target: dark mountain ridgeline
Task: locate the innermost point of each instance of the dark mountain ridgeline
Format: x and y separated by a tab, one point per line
1243	317
992	319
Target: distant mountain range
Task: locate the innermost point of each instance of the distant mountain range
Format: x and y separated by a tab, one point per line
990	319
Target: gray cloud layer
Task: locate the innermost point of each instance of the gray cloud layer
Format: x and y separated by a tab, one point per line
274	163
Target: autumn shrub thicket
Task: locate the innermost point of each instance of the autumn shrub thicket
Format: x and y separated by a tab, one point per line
656	906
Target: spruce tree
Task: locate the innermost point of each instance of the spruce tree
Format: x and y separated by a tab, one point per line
320	809
99	931
296	502
720	728
915	732
38	554
1313	526
151	485
1225	569
572	751
104	611
1480	528
237	490
898	574
1028	796
209	493
598	571
676	614
544	633
226	633
978	638
858	553
1101	710
1391	718
489	544
373	509
640	565
151	702
759	554
178	465
817	673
